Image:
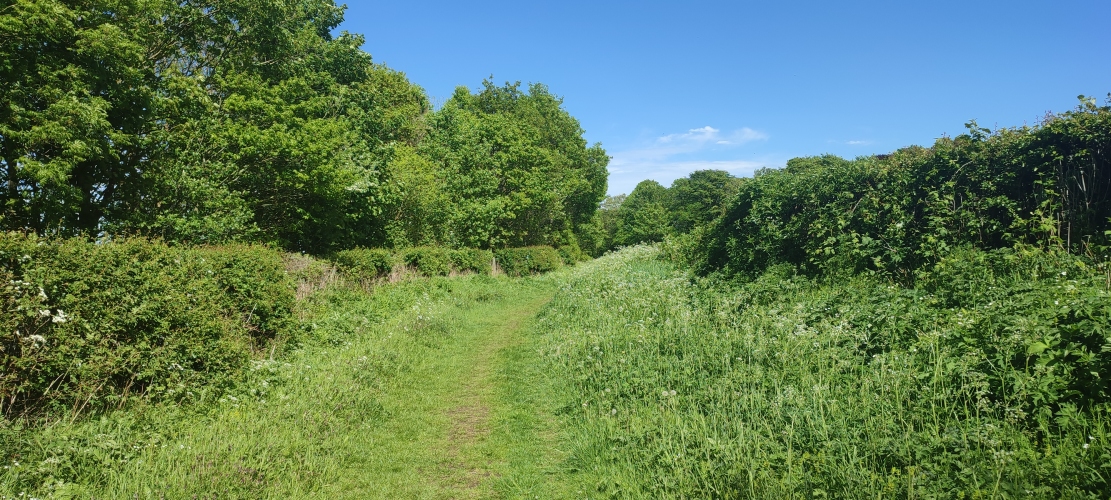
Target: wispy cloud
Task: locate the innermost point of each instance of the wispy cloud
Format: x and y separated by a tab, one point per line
671	156
697	137
858	143
692	141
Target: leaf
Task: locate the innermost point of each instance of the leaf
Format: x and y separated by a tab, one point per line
1036	348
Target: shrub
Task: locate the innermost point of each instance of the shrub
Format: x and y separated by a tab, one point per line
364	264
428	261
471	260
528	260
88	325
572	254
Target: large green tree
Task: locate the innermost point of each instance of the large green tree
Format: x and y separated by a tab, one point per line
700	198
517	167
644	217
197	121
77	106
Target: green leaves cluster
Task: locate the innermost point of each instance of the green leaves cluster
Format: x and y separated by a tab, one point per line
89	326
900	213
652	212
517	168
249	120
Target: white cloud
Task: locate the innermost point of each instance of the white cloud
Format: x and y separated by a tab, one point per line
672	156
692	141
858	143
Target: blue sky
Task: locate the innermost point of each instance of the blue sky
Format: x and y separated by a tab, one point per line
669	88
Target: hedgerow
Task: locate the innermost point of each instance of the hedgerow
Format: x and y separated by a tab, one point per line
472	260
528	260
365	264
86	326
899	213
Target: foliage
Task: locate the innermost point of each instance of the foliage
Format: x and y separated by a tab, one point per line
365	264
701	197
895	214
87	326
516	166
528	260
428	261
471	260
200	123
652	213
643	217
783	386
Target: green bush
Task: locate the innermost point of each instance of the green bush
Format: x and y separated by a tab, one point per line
528	260
572	254
364	263
471	260
428	261
89	325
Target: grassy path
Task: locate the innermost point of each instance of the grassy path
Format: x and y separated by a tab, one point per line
455	424
426	390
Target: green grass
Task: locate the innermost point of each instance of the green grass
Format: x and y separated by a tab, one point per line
414	391
618	378
772	390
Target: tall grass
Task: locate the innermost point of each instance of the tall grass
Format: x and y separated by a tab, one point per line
783	387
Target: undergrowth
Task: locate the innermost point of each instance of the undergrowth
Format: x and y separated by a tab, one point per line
783	386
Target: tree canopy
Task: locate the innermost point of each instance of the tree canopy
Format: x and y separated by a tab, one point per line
206	122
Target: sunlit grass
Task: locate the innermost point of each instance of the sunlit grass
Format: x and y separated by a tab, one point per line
674	390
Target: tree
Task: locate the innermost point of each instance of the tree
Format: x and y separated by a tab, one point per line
700	198
644	217
76	109
517	166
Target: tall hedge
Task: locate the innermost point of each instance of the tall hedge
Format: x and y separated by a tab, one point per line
87	325
528	260
1048	185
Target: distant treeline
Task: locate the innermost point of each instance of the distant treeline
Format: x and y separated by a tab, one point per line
652	212
249	121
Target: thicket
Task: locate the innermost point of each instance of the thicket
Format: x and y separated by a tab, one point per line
375	264
652	213
528	260
88	326
1047	186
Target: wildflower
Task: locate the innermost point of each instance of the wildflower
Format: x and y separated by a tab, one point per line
60	317
613	411
44	312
